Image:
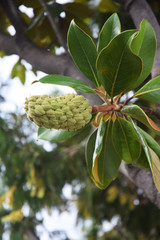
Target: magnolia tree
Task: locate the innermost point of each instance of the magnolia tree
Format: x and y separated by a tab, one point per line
119	64
114	73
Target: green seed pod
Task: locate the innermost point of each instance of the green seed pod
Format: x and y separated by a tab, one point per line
68	112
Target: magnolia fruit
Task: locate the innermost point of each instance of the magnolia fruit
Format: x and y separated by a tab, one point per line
68	112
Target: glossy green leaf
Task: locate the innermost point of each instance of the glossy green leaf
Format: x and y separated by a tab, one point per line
125	140
106	163
137	113
54	135
117	66
110	29
144	45
142	161
150	91
83	51
152	158
99	139
67	81
90	147
144	144
151	142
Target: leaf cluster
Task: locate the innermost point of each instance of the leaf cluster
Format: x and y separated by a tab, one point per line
119	63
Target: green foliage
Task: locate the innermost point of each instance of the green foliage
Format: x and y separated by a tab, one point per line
112	62
22	160
19	71
121	63
144	45
125	140
111	28
67	81
54	135
83	51
150	91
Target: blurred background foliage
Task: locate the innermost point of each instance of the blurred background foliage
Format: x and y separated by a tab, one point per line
33	178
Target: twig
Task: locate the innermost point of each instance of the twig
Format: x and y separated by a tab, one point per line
54	25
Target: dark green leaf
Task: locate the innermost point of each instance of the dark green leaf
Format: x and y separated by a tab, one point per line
150	91
144	45
106	161
99	139
110	29
67	81
152	158
144	144
125	140
137	113
117	66
83	51
151	142
90	147
142	161
54	135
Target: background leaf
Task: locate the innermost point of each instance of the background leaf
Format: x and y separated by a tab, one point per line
144	45
137	113
83	51
54	135
67	81
110	29
150	91
125	140
19	71
117	66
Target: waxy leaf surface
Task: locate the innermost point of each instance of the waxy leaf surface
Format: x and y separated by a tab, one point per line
137	113
110	29
144	144
152	157
55	135
83	51
125	140
151	142
90	148
144	45
150	91
67	81
118	67
106	161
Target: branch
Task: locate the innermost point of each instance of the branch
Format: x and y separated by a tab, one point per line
139	9
143	179
39	58
7	43
11	10
54	25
